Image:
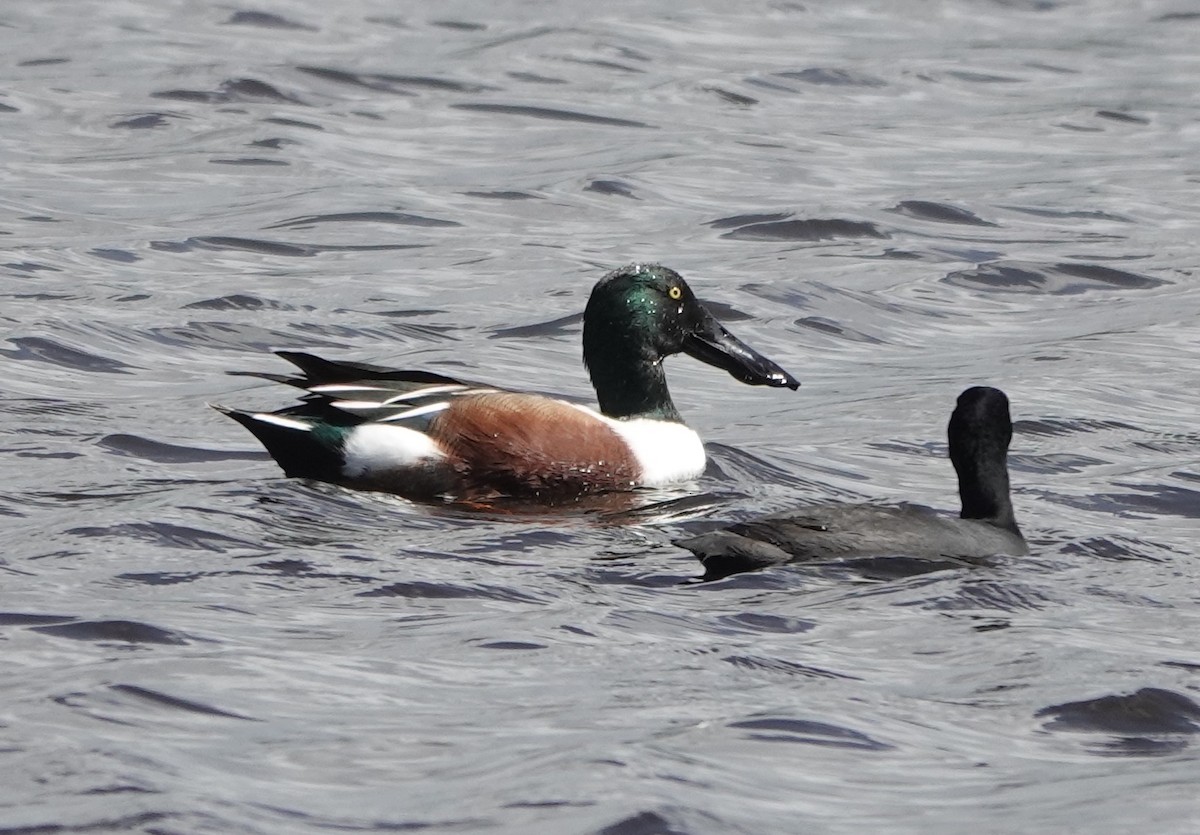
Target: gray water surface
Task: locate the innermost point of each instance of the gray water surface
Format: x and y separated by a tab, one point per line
893	200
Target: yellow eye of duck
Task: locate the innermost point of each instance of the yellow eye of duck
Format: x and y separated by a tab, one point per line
675	293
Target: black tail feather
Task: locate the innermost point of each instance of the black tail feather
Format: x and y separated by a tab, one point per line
301	453
320	371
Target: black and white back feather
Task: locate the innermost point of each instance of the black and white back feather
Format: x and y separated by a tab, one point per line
350	393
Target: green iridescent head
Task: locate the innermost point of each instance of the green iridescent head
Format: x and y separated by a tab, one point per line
641	313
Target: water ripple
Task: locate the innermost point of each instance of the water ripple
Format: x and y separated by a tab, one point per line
812	229
122	631
552	114
1056	279
234	90
807	732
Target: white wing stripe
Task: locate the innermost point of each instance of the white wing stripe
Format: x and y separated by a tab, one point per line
430	390
417	412
285	422
354	405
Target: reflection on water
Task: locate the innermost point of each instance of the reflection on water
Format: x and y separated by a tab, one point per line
894	201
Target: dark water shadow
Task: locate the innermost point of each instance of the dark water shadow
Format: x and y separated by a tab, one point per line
1149	722
1061	279
808	732
166	700
1150	501
644	823
278	248
425	590
147	120
390	218
159	452
401	85
240	301
266	20
166	534
1058	427
552	114
939	213
39	349
783	667
113	631
1112	547
554	327
767	227
242	90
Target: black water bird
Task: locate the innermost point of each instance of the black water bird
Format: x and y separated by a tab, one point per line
980	431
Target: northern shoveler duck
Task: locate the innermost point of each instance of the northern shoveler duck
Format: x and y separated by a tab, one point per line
980	431
426	435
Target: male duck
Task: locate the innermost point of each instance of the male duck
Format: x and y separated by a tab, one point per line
980	431
425	435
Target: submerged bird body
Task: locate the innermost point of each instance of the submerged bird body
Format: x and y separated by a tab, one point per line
426	435
980	431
